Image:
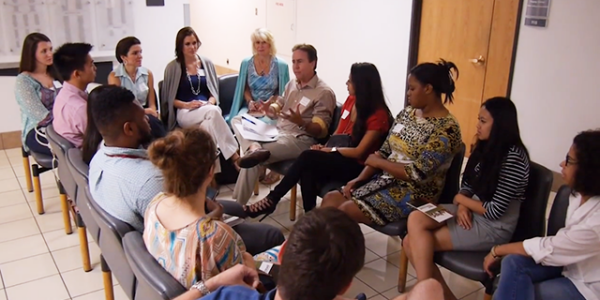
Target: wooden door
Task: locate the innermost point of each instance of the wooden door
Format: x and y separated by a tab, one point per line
466	32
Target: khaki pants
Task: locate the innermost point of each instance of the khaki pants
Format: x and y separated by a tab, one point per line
209	118
286	147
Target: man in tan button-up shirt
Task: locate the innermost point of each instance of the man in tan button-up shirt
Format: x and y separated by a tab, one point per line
303	115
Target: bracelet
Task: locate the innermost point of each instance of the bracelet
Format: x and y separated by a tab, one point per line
201	287
493	252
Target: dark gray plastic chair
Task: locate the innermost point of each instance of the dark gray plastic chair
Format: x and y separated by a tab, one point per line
112	259
65	183
83	217
532	223
153	281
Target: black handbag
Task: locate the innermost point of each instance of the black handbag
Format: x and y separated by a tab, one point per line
339	140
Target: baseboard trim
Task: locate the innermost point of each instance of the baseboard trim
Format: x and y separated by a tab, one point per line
9	140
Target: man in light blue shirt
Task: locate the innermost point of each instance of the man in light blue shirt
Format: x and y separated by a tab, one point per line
123	181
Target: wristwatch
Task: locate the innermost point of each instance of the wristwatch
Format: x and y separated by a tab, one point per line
334	149
200	286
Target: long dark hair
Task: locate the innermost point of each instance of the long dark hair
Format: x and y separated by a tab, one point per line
92	137
439	76
587	174
368	92
181	35
30	45
490	154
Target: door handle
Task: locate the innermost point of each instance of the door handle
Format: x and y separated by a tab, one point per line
478	61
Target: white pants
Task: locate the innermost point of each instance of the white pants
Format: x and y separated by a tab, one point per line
209	118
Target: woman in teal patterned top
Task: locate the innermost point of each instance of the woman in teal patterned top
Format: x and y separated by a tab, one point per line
35	91
261	76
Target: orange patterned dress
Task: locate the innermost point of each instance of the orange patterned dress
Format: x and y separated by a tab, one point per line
195	252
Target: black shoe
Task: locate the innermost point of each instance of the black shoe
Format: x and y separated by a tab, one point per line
264	206
254	158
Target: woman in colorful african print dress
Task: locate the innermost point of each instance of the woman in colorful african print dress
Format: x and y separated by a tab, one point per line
413	161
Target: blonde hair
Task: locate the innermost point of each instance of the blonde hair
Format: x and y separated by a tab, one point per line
263	34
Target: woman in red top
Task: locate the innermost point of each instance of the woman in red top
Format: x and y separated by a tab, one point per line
365	117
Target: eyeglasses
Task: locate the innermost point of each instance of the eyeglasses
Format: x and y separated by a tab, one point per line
570	161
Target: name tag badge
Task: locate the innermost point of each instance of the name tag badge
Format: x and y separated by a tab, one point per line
304	101
201	72
345	114
397	128
57	84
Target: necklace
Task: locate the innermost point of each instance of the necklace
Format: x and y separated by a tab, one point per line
189	77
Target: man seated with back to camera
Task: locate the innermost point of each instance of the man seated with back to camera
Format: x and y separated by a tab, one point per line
123	181
324	252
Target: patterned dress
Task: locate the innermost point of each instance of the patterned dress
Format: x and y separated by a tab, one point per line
195	252
426	146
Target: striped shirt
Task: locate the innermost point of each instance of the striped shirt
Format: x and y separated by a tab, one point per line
512	183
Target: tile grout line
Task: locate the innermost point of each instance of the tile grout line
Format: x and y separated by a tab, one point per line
43	237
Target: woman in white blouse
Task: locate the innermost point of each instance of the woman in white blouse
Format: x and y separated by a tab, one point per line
567	265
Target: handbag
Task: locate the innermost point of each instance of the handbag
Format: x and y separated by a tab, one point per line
339	140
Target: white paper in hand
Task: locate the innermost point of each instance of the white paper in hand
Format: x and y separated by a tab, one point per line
254	129
265	267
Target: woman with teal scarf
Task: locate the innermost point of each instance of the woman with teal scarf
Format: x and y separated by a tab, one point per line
261	77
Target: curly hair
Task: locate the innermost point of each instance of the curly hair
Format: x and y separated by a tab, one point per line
185	158
587	174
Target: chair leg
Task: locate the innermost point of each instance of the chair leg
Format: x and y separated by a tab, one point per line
27	169
293	203
256	188
403	272
487	297
109	293
83	245
37	188
64	204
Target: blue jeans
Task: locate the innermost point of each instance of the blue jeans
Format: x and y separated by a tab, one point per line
523	279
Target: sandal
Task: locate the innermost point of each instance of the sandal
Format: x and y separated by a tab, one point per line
270	178
264	206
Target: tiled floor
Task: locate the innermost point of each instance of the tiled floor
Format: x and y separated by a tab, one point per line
38	261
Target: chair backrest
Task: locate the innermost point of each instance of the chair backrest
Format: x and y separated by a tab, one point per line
532	218
79	170
227	85
60	146
163	105
558	213
335	120
112	231
153	281
452	184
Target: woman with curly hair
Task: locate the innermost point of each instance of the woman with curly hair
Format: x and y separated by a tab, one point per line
566	265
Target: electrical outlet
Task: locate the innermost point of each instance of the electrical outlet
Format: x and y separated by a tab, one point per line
256	11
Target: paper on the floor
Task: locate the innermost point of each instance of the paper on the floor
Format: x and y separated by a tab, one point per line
254	129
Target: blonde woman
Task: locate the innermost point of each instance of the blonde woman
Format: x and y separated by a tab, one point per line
262	76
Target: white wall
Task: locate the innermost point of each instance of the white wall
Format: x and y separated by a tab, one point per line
343	31
156	27
556	79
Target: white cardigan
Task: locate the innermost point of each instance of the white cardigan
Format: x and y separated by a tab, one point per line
576	247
